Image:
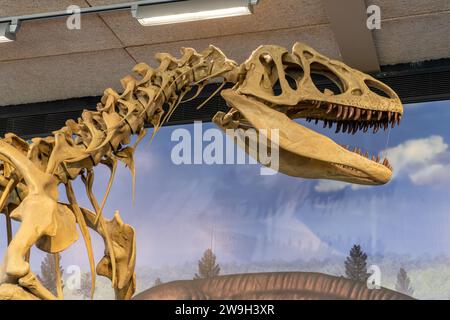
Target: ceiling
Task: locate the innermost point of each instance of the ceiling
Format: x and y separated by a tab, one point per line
49	62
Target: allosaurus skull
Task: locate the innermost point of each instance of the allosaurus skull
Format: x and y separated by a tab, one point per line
362	102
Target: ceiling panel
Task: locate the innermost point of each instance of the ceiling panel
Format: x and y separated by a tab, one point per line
321	38
401	8
52	37
62	77
23	7
413	39
268	15
49	62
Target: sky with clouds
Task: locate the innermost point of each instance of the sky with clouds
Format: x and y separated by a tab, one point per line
181	210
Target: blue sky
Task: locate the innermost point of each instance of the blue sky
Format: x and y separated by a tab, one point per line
180	210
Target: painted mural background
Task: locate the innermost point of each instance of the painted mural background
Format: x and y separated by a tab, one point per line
279	223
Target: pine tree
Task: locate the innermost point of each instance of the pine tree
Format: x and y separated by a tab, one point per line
85	286
207	267
48	272
356	265
157	282
403	284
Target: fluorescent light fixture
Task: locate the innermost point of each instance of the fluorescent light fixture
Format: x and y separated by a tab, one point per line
5	34
192	10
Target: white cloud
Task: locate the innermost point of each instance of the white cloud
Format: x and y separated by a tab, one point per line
330	186
433	174
416	158
416	152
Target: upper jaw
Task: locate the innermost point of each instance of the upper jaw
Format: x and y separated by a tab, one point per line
346	118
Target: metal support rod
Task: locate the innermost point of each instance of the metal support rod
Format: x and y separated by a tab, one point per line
98	9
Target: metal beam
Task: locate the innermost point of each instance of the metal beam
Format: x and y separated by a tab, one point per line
348	20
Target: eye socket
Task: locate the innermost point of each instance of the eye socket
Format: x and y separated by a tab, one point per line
294	74
293	70
323	77
377	88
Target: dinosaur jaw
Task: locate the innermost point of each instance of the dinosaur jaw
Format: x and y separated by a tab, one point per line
306	153
345	118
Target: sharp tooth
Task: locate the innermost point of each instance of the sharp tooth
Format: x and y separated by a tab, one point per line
369	115
389	116
338	127
345	113
378	158
377	127
325	122
316	121
344	127
330	124
385	125
366	154
351	111
380	114
373	158
399	119
330	107
357	113
366	127
351	128
339	111
355	128
385	161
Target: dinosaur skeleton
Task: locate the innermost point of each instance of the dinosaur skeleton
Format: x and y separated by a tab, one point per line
32	171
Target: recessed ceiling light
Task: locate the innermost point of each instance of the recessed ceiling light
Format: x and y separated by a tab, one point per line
5	34
192	10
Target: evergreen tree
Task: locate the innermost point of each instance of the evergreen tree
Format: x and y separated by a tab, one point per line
48	272
356	265
403	284
157	282
85	286
207	267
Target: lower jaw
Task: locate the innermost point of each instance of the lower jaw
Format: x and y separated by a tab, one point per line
365	180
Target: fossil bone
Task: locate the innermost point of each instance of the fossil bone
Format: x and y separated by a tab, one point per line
32	171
